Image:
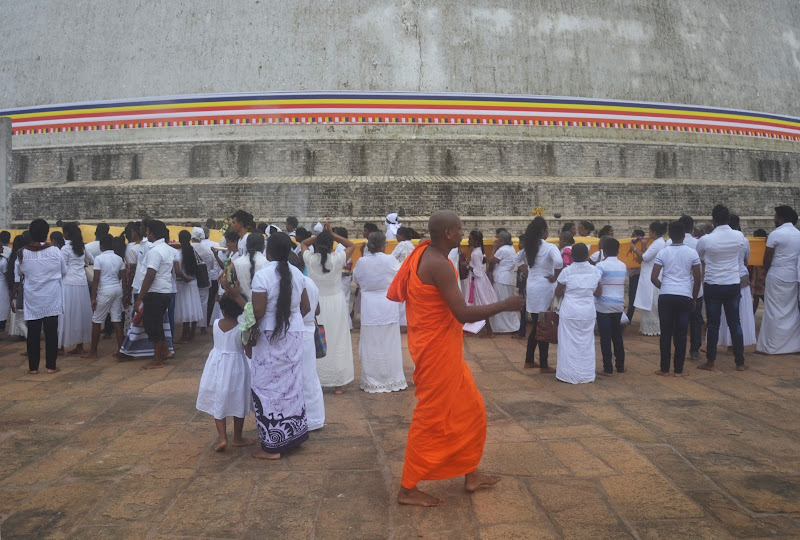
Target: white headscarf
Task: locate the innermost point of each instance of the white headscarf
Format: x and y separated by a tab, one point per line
317	227
198	234
272	229
392	225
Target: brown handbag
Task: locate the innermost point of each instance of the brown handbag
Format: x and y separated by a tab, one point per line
547	327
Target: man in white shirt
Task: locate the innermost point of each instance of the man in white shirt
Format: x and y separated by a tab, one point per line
155	293
722	285
109	271
241	221
780	327
696	316
678	288
93	248
610	305
43	268
291	226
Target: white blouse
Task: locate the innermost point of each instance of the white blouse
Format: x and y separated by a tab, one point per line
374	274
76	274
43	272
539	289
267	280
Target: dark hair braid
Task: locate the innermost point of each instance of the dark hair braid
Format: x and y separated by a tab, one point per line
187	253
73	233
255	244
533	239
279	246
323	245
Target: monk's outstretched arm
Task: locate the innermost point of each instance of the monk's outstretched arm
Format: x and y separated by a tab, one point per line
445	281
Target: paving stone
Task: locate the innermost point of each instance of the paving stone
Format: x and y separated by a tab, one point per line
520	459
578	460
763	492
699	530
647	496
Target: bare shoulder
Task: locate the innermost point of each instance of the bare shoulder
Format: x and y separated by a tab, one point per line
432	266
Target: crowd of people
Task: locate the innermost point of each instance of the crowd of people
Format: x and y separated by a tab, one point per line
279	304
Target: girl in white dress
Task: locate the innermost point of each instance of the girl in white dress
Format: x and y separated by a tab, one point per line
379	347
225	383
312	390
505	280
325	268
251	262
479	291
577	283
646	293
187	301
544	262
75	324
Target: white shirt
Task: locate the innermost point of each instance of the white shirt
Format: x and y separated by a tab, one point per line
612	280
539	289
242	266
6	252
313	300
268	280
581	280
92	250
109	264
131	253
211	263
141	266
401	250
720	251
374	273
691	241
785	240
43	271
242	245
160	257
677	261
76	274
505	270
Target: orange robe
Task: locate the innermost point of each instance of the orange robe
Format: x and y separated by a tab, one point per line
448	429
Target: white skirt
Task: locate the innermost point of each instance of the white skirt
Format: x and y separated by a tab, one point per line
780	327
75	325
312	390
5	308
381	358
505	321
747	319
336	368
575	361
187	303
649	323
202	322
225	385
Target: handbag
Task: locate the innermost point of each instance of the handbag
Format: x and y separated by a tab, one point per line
547	327
320	344
202	273
744	281
471	291
463	265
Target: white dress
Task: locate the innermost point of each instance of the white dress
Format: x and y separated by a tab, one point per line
539	290
505	281
5	308
75	325
647	294
479	290
312	389
401	251
746	316
379	347
187	301
225	383
336	368
576	318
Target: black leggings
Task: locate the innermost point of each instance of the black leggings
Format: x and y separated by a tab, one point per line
50	325
544	346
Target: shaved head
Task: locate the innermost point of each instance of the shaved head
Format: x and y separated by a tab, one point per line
444	227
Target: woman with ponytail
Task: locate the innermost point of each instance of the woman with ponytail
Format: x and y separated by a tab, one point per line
250	263
279	304
187	300
75	325
325	268
544	262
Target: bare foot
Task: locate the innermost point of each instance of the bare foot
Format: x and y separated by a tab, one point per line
662	373
153	365
682	374
338	391
34	372
260	454
89	355
170	356
743	367
415	497
223	444
51	371
604	374
76	350
708	366
476	480
243	442
530	365
547	370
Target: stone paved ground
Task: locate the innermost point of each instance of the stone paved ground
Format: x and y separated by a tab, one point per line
104	450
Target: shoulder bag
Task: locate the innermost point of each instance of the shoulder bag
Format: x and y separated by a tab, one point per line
202	273
320	344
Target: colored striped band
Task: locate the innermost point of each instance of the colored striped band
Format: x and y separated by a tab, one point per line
357	108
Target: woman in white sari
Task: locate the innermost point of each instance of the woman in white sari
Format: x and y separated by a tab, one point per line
646	294
505	281
379	345
577	283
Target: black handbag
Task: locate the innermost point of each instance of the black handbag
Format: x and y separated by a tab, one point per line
202	273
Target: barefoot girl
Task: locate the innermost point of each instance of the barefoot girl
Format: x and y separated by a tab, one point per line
225	384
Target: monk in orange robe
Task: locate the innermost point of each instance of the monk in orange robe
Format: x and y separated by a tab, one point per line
448	429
